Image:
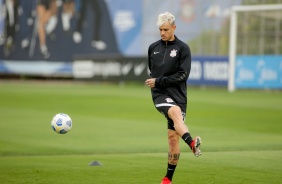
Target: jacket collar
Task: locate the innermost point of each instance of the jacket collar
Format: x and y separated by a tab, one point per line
170	42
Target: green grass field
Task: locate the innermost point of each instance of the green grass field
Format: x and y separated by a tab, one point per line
119	127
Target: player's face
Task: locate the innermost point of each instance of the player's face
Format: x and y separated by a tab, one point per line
167	32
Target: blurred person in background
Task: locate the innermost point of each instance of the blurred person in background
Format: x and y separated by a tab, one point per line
96	41
47	21
2	22
12	14
169	62
26	21
67	13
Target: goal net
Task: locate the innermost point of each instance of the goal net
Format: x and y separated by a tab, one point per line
255	47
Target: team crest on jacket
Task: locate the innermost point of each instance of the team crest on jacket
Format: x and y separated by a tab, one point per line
173	53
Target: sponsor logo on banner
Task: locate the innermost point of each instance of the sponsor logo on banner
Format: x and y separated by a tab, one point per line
215	70
209	71
196	70
124	20
110	69
258	71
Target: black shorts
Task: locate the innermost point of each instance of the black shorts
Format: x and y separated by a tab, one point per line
163	103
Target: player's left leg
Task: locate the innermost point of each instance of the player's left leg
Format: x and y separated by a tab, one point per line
173	155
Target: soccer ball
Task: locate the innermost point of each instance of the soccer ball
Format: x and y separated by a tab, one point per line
61	123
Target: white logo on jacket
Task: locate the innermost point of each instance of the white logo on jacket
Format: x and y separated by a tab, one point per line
173	53
169	100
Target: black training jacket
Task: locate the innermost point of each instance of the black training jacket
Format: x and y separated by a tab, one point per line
170	63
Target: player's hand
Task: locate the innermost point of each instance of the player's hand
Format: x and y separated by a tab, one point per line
150	82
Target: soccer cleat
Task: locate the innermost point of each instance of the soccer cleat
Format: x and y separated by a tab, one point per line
196	145
165	180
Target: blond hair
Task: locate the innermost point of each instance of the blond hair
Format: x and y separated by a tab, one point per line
165	17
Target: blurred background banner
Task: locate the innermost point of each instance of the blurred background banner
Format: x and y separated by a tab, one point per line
56	31
126	17
259	71
204	70
125	27
209	71
115	69
36	68
75	27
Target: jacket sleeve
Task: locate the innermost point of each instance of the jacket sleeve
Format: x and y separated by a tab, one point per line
182	73
149	58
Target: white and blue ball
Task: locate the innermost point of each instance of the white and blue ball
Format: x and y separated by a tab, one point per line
61	123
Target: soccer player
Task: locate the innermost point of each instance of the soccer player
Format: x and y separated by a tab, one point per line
169	62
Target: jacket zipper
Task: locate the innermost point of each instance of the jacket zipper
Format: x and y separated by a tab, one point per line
165	51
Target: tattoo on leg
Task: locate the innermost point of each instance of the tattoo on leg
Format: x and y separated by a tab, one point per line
173	158
176	156
169	156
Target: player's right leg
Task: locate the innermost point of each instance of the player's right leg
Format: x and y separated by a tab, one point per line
176	115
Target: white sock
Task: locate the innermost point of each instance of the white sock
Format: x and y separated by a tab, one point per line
51	25
66	21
